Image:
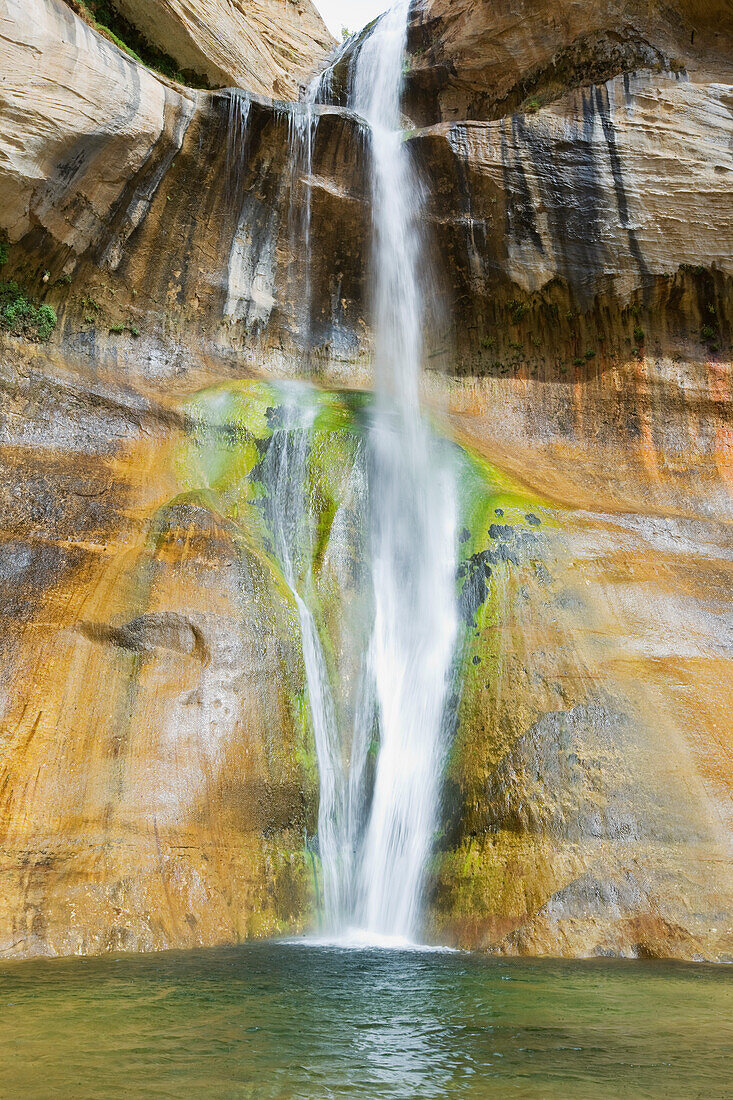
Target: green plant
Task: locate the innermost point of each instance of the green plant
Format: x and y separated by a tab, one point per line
707	332
639	335
578	362
119	327
46	321
590	354
21	316
4	253
18	309
517	310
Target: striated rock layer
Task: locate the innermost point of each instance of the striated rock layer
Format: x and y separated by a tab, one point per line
267	46
157	774
486	59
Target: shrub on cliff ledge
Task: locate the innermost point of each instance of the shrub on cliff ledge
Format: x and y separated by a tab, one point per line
21	315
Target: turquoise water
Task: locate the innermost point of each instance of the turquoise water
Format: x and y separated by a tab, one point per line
279	1022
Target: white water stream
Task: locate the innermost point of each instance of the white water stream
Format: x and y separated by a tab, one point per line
412	519
376	824
288	517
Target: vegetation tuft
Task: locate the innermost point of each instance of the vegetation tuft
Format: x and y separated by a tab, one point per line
518	310
20	315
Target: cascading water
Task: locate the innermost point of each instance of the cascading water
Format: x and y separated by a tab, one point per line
285	472
302	124
376	823
413	522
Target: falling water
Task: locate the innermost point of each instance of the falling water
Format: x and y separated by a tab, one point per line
412	518
376	824
302	126
284	470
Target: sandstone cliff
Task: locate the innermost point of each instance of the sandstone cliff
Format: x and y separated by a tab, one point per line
158	776
489	60
268	46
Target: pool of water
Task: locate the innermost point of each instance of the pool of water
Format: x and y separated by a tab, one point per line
286	1021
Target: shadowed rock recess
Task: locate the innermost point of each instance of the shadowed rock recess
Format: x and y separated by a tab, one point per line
158	777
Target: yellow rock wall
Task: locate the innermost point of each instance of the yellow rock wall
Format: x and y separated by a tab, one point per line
157	786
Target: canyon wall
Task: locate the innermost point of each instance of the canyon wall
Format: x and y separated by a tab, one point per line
157	769
265	46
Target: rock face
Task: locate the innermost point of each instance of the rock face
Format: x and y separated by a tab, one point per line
488	60
77	128
266	46
585	208
157	774
157	771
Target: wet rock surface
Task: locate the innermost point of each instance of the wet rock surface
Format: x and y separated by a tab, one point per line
158	786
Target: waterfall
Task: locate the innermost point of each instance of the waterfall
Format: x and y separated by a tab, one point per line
302	126
412	519
376	823
284	470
